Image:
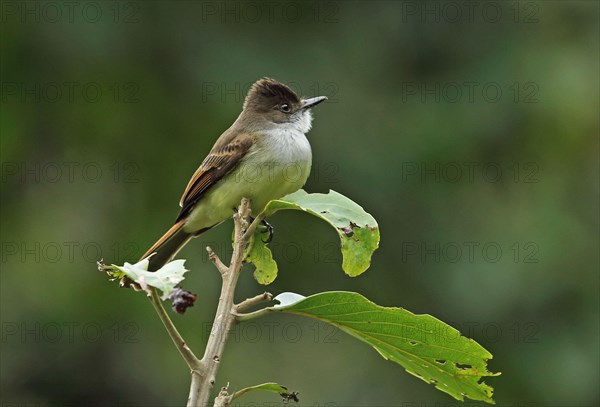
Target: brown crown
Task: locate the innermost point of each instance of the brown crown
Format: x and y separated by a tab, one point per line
266	93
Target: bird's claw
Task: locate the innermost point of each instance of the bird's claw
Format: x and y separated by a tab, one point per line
268	229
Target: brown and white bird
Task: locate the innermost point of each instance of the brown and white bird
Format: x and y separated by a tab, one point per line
264	155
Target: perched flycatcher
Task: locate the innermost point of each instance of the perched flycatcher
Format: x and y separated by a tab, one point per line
264	155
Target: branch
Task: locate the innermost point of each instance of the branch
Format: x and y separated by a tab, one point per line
212	256
250	231
192	361
251	315
260	298
203	380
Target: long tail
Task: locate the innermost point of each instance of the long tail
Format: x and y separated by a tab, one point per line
167	246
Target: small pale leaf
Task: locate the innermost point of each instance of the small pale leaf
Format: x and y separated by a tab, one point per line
165	278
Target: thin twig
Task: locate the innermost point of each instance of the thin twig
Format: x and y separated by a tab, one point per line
247	303
241	392
212	256
192	361
252	315
250	231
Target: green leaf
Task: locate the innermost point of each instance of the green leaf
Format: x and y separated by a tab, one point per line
358	230
270	387
425	346
262	258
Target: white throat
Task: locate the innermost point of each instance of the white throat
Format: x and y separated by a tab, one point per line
287	143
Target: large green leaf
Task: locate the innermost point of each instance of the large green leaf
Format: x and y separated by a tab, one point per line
358	230
425	346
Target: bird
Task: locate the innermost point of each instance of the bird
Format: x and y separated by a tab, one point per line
263	155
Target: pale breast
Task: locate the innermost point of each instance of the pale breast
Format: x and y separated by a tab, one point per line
277	164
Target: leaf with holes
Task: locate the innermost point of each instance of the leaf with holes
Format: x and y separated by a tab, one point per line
165	278
425	346
358	230
260	255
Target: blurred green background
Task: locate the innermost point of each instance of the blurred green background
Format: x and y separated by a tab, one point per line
469	130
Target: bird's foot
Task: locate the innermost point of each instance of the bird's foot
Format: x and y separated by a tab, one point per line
268	229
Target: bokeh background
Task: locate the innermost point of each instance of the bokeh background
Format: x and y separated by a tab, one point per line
469	130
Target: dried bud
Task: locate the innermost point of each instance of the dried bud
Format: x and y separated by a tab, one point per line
182	299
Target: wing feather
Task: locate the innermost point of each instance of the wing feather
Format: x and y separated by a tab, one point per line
224	157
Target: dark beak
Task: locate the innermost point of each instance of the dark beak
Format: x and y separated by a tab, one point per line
308	103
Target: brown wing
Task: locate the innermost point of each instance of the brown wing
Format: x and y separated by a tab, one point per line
224	157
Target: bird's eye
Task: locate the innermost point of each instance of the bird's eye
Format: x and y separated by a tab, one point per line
284	107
